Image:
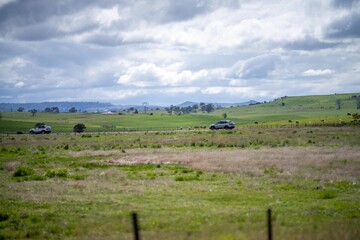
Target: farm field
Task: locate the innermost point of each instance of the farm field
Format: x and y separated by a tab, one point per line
182	184
289	111
183	180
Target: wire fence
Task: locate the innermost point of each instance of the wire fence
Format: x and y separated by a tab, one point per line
136	225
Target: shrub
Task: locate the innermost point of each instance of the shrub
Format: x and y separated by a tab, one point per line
79	128
186	178
327	194
4	217
60	172
22	171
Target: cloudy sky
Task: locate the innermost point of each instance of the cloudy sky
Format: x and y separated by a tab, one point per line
168	51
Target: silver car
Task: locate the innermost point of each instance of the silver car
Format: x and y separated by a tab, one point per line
223	124
40	129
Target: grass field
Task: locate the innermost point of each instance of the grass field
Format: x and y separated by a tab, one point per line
304	110
184	184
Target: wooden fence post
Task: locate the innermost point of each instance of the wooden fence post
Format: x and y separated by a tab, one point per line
136	226
269	223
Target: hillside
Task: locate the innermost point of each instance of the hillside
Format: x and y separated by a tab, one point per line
333	107
287	110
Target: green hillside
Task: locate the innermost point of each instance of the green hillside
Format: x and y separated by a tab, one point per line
287	110
305	109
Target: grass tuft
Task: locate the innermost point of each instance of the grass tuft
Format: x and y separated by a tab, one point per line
23	171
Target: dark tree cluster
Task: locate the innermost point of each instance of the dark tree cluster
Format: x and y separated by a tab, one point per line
33	112
52	110
79	128
191	109
72	110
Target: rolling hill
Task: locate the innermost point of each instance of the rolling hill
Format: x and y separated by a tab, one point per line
336	108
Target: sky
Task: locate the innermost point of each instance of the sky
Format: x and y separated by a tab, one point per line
166	51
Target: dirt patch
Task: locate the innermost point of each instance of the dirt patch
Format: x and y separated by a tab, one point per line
322	163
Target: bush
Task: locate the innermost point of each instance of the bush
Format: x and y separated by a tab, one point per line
23	171
79	128
187	178
60	172
4	217
327	194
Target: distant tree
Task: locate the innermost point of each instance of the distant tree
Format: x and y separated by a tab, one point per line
79	128
72	110
55	110
0	115
20	109
145	105
136	111
52	110
282	104
195	107
209	107
338	103
357	102
33	112
202	106
225	115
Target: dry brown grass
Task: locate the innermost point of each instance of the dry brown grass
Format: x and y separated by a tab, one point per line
11	166
321	163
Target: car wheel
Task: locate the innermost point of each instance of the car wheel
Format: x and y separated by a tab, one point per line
212	128
43	132
226	127
31	132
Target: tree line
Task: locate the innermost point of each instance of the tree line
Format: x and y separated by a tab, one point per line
203	107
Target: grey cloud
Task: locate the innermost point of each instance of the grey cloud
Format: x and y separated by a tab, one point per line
345	3
186	9
107	40
309	44
346	27
90	44
256	67
35	33
39	19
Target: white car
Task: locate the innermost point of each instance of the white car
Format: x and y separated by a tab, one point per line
40	129
223	124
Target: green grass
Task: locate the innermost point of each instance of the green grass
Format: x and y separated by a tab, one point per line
83	192
304	110
197	184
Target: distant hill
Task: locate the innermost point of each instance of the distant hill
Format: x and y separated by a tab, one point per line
219	105
98	106
63	106
80	106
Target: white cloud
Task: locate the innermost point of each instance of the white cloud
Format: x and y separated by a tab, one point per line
4	2
256	67
127	50
150	75
317	72
19	84
15	62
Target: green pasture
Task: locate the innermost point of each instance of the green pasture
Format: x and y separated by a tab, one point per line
67	186
185	182
304	110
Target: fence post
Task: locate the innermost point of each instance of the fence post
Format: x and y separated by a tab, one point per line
136	227
269	223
